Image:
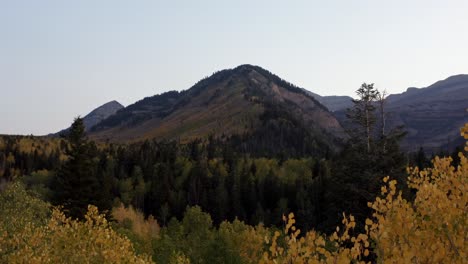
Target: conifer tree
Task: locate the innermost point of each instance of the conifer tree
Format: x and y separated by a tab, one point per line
76	183
363	113
371	153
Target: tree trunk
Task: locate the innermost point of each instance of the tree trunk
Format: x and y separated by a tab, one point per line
382	97
368	130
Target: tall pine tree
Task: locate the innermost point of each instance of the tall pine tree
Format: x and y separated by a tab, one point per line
370	154
76	183
362	114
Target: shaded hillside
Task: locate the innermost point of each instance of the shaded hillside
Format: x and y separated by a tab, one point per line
99	114
432	116
237	102
333	102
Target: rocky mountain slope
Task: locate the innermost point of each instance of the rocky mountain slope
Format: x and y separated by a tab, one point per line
99	114
433	115
239	101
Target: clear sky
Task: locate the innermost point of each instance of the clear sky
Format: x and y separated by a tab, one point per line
60	59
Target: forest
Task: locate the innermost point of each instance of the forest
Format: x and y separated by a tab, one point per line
235	199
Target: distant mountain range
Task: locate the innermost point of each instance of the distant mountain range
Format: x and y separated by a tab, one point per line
432	116
249	100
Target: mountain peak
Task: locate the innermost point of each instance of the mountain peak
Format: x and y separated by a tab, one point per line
229	102
98	114
246	67
115	103
105	111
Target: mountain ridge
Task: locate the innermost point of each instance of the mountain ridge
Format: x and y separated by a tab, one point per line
238	101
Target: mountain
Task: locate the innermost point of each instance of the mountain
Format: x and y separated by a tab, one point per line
333	102
246	100
99	114
432	116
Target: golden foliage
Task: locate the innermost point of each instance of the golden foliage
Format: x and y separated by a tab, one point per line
431	229
315	248
139	225
139	230
30	144
64	240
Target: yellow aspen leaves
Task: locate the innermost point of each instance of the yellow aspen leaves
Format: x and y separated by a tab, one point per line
431	229
64	240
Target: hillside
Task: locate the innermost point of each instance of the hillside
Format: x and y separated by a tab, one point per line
432	116
333	102
239	101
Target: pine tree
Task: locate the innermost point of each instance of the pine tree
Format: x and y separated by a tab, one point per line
371	153
76	183
382	100
362	115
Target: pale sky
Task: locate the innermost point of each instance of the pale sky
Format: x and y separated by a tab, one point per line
60	59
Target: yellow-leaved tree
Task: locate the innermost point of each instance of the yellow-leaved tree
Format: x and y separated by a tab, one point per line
29	234
431	229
